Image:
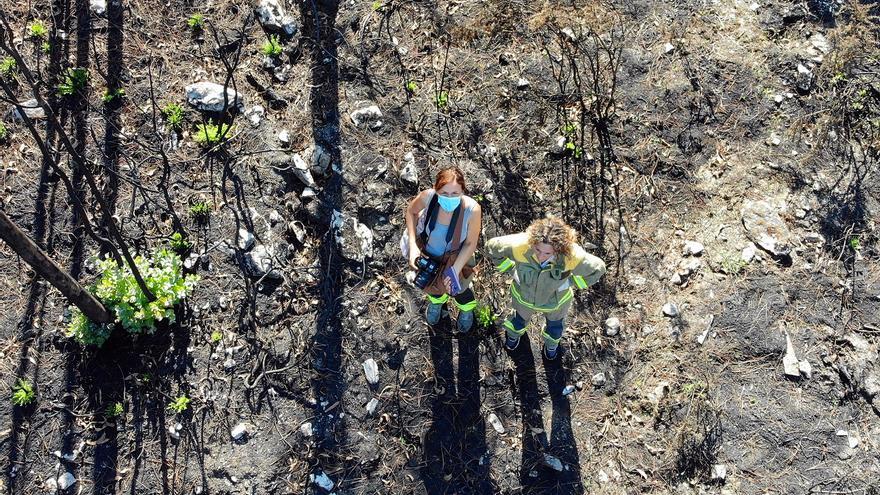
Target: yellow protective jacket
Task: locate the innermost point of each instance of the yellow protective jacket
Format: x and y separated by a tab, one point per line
543	289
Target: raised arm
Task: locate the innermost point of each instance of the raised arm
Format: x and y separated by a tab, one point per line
411	216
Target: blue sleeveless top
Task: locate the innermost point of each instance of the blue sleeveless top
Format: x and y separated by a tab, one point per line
436	244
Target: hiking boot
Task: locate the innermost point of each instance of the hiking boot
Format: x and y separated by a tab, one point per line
551	355
433	313
511	343
465	321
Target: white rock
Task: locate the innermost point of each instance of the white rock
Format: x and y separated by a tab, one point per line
284	137
522	83
676	279
598	379
208	96
719	472
255	115
612	326
273	17
239	431
668	48
553	462
409	172
805	369
692	248
51	484
496	423
814	238
371	370
245	239
258	262
558	146
322	480
603	477
306	429
778	98
670	309
370	116
748	253
302	172
659	392
365	236
320	160
172	431
820	42
790	360
568	390
372	405
32	110
570	33
66	480
765	227
99	7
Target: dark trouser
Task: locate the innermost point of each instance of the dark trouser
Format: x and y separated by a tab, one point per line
465	300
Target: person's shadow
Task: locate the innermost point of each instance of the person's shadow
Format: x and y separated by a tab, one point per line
455	458
539	468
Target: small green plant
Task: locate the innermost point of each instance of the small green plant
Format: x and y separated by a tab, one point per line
575	150
119	292
45	47
113	410
196	22
839	77
569	129
109	96
75	80
38	30
200	210
173	116
484	315
733	264
180	404
23	393
272	46
8	66
3	132
442	99
209	134
854	243
377	5
179	243
411	87
216	336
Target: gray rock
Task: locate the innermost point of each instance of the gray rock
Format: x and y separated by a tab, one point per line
32	110
552	462
805	368
245	239
804	80
371	370
409	172
496	423
321	160
208	97
692	248
598	379
719	472
522	83
273	17
790	360
748	253
66	481
558	146
369	116
258	263
322	480
306	429
372	405
302	171
284	137
239	431
766	228
612	326
354	238
255	115
670	309
98	7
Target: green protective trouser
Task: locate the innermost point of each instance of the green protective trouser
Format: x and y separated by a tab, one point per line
516	325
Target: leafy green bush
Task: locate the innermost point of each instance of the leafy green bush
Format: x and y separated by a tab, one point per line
411	87
4	133
442	99
196	22
200	210
45	47
113	410
484	315
23	393
272	46
179	404
173	116
209	134
38	30
112	95
8	66
75	80
179	243
119	292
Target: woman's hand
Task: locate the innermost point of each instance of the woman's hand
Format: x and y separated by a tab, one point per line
446	280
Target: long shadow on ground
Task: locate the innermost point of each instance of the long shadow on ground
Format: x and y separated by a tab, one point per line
455	454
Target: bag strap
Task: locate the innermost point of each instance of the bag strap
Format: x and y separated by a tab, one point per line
430	219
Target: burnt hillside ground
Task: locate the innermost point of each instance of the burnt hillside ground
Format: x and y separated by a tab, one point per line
749	128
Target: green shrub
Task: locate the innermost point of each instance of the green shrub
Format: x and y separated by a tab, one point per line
112	95
23	393
196	22
484	315
4	133
200	210
179	243
38	30
113	410
45	47
173	116
442	99
209	134
8	66
119	292
75	80
411	87
216	336
272	46
179	404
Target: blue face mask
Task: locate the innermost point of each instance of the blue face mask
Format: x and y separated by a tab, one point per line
449	204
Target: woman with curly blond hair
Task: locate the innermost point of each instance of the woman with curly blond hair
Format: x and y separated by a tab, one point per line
547	264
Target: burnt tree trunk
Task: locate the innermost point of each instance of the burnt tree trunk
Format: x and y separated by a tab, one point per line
49	270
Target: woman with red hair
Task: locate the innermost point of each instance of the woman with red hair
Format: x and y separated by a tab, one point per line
442	230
